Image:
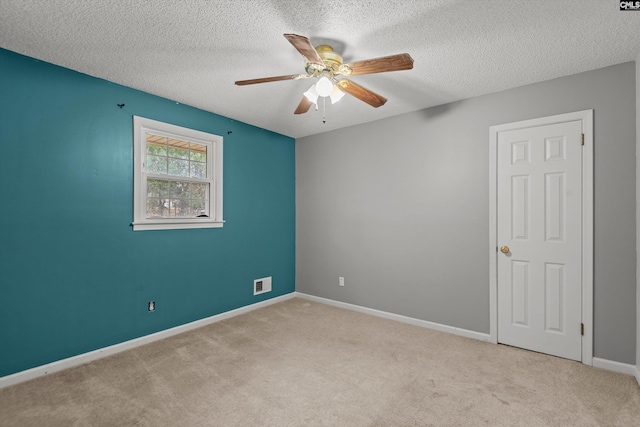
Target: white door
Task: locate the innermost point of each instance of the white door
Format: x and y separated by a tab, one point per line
539	236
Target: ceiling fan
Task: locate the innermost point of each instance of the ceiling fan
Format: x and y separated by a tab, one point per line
326	65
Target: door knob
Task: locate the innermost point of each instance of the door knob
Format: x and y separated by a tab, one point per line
504	249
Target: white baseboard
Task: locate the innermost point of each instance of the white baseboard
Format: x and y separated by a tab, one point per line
610	365
80	359
597	362
400	318
59	365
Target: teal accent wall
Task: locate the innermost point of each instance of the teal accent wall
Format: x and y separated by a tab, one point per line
74	276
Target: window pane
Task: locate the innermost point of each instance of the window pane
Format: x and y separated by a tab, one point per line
157	207
180	208
198	170
156	145
199	207
178	167
198	152
178	149
158	150
157	188
156	164
199	202
198	191
198	156
179	189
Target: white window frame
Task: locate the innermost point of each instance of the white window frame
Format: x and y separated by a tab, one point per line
142	126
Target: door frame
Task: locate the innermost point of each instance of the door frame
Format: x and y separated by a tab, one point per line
586	116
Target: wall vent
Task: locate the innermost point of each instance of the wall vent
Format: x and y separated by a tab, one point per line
261	286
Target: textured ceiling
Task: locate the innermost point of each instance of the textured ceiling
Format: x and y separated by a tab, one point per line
192	51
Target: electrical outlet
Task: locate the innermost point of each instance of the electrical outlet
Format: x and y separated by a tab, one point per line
151	306
341	281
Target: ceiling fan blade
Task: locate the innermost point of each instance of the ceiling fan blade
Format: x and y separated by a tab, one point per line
304	46
403	61
304	106
267	79
362	93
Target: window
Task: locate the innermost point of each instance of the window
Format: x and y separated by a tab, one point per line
177	177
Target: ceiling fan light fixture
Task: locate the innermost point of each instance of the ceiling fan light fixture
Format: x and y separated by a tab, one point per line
336	94
324	87
311	94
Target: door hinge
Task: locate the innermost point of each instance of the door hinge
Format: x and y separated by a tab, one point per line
581	328
582	140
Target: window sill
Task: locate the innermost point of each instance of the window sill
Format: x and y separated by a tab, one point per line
175	224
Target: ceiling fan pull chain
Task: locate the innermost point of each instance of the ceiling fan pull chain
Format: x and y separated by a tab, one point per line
324	110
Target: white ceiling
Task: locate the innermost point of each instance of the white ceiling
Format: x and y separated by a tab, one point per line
192	51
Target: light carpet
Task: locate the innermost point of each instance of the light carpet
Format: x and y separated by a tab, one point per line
302	363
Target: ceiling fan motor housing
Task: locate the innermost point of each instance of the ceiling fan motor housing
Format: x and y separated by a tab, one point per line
332	62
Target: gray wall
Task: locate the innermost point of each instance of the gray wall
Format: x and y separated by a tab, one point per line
400	208
638	218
